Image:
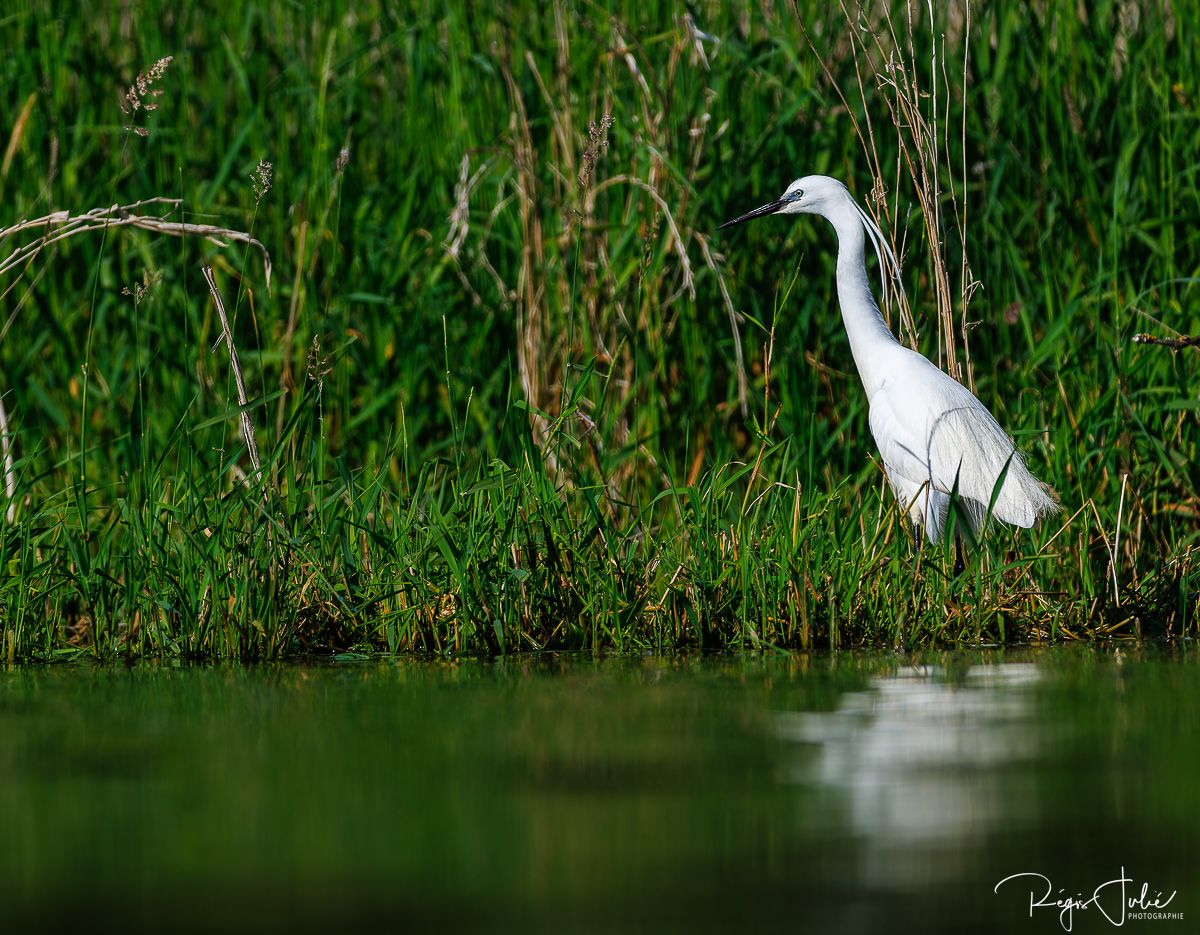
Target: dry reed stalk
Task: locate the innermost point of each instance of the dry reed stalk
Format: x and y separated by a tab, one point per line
677	240
235	364
922	123
866	139
18	131
734	319
564	126
562	150
768	356
10	478
531	356
1176	344
460	214
922	156
61	225
459	231
542	351
567	266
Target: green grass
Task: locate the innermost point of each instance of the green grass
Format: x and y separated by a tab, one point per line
518	425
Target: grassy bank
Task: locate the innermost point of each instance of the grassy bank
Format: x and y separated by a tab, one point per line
506	389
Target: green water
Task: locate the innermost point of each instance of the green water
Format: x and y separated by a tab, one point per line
830	794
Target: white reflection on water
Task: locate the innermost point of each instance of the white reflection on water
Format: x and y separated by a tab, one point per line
916	764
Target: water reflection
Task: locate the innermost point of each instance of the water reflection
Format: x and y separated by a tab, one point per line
550	794
922	763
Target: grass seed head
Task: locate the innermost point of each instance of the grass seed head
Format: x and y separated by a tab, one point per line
261	179
142	95
141	289
597	142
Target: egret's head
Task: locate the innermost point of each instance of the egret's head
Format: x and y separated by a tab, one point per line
813	194
819	194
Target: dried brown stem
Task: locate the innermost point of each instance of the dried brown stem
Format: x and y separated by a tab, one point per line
922	122
235	364
734	319
877	205
10	479
1175	344
677	239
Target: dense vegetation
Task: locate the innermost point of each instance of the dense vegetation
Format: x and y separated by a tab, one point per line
496	395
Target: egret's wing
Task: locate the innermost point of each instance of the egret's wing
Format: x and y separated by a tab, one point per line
931	429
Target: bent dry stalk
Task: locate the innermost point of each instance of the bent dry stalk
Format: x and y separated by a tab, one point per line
60	225
10	480
235	364
1175	344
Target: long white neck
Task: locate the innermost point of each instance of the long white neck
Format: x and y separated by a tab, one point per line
869	334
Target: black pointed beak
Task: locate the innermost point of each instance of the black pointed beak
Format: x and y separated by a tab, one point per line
756	213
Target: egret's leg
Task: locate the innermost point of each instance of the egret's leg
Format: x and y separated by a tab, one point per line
959	564
916	533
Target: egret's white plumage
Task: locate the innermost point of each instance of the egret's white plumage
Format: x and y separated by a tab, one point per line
934	436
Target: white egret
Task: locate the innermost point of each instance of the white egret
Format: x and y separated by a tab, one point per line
934	436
